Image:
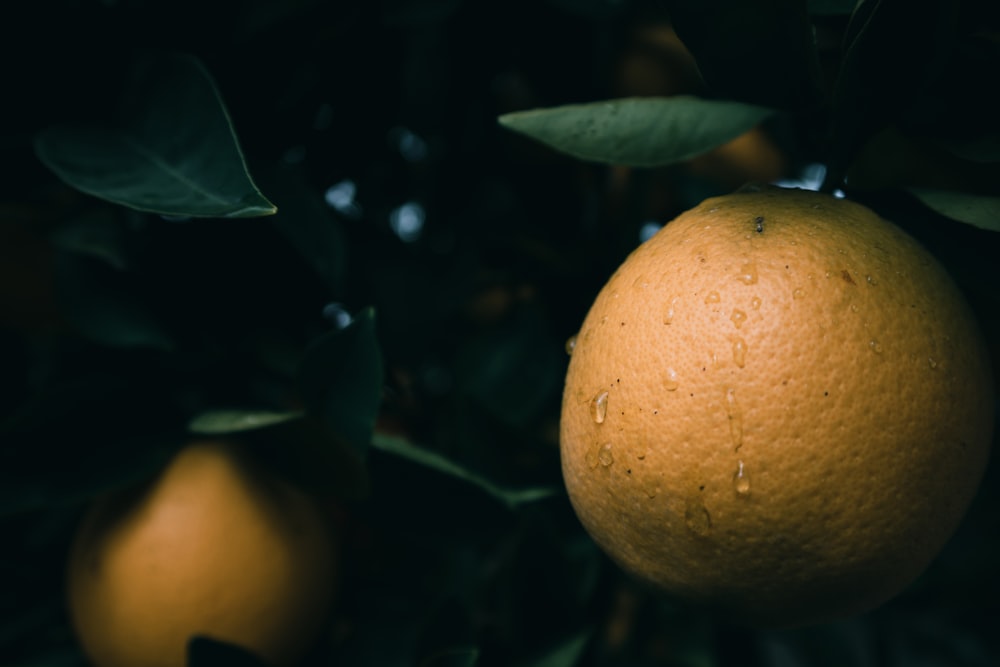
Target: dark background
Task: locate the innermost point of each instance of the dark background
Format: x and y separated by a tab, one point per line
397	102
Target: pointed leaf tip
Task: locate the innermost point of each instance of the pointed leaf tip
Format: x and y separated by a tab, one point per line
638	132
172	150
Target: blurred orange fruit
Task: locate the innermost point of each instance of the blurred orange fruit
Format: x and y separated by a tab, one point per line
213	546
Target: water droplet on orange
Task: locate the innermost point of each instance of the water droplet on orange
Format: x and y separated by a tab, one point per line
599	407
605	456
671	383
570	344
739	351
748	273
741	480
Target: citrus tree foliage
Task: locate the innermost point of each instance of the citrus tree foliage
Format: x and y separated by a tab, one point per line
356	237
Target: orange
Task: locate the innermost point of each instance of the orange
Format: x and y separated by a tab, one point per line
780	407
213	547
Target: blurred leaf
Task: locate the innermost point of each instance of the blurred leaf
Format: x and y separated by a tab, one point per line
340	379
832	7
80	437
306	222
208	652
565	654
981	149
103	305
514	370
512	498
828	645
98	234
220	422
418	13
595	10
640	132
173	150
977	210
455	657
891	54
760	52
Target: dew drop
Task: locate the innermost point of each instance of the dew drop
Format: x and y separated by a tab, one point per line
739	351
604	455
798	293
871	280
875	346
755	303
697	519
599	407
713	297
741	480
854	307
668	316
738	317
735	418
570	344
932	362
671	383
748	273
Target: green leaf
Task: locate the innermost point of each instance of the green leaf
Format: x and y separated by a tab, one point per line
454	657
980	149
832	7
220	422
340	379
96	234
639	132
512	498
565	654
977	210
103	305
306	222
172	151
204	651
515	369
762	52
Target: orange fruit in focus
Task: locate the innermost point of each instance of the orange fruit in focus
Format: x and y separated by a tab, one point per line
780	406
213	547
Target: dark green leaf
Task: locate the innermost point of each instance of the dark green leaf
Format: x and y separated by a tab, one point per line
98	234
512	498
514	370
173	151
981	149
455	657
761	52
640	132
977	210
565	654
220	422
340	378
827	645
208	652
101	304
832	7
126	433
891	55
306	222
